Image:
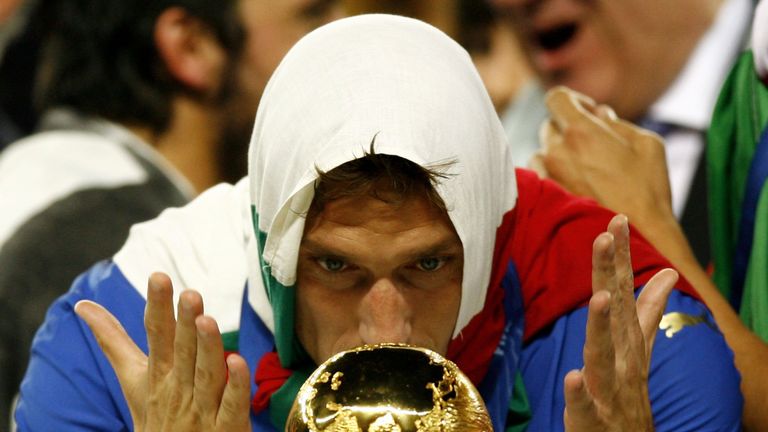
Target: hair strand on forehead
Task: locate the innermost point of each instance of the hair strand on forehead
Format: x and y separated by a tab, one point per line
386	177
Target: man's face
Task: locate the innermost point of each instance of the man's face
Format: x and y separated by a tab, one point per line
373	272
621	52
271	29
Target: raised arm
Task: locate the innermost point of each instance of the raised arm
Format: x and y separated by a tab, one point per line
591	152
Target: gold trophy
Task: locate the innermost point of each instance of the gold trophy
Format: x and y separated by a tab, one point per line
388	388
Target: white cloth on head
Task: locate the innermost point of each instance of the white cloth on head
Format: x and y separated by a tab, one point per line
760	39
416	92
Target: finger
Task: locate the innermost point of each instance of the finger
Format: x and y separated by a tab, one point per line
536	163
160	325
556	160
604	278
580	410
605	113
572	140
123	354
625	278
629	345
550	136
603	269
235	403
599	359
211	371
567	106
185	345
651	304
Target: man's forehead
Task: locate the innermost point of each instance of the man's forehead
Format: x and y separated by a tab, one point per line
381	207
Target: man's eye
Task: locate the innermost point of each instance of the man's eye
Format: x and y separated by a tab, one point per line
430	264
332	264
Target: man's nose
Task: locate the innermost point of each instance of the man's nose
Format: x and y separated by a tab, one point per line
384	314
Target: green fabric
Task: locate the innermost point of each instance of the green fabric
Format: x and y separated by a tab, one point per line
231	341
292	354
282	400
281	298
519	408
754	307
739	118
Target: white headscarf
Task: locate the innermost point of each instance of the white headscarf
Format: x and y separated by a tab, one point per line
417	92
760	39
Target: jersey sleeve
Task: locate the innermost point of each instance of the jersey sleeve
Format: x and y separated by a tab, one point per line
693	383
69	384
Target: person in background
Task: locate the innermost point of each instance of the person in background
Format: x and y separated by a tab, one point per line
507	74
626	172
496	52
381	205
656	63
145	104
19	48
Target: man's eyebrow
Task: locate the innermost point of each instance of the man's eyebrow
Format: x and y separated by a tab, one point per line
446	246
316	248
442	247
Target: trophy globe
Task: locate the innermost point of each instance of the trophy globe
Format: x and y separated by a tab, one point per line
388	388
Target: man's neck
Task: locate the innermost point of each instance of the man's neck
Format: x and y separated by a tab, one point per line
690	98
189	143
671	44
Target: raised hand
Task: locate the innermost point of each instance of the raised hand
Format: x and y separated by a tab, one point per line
611	392
591	152
182	384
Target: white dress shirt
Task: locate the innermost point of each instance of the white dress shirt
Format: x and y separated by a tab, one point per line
688	103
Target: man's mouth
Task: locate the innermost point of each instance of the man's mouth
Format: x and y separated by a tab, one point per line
556	37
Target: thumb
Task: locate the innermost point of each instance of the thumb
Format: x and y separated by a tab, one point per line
128	361
651	304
